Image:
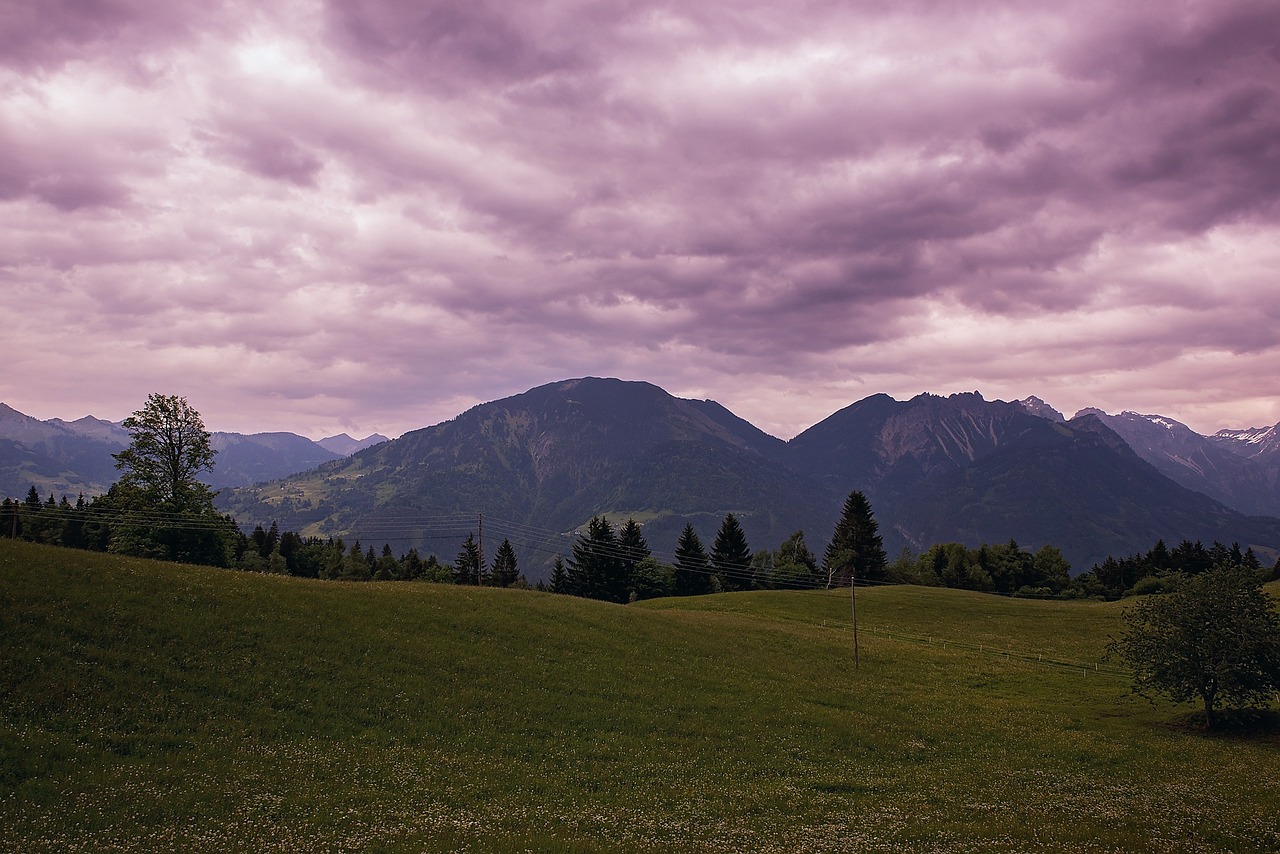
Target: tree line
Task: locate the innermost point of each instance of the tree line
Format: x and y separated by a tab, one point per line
160	509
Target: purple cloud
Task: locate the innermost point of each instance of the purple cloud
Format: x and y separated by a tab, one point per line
327	216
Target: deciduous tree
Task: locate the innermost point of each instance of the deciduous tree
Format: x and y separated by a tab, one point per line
1216	639
160	508
168	450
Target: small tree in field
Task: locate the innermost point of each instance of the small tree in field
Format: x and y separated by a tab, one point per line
1216	639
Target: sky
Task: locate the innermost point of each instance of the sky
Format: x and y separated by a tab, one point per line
370	215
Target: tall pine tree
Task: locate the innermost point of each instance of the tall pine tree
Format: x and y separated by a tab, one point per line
730	556
466	566
693	569
596	569
856	549
633	546
560	582
504	571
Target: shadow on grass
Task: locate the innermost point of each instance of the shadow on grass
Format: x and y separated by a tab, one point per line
1234	724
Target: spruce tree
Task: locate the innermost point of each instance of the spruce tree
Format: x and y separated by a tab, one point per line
386	567
504	571
693	569
633	547
730	555
411	565
560	578
597	569
856	549
466	566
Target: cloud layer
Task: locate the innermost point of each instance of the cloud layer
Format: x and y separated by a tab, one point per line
370	214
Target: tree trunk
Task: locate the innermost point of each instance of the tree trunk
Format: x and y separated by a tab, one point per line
1210	719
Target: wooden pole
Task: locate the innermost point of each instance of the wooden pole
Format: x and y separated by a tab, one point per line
853	602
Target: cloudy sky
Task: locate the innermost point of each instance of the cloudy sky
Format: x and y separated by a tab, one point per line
364	215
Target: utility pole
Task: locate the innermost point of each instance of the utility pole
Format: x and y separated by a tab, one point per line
480	565
853	600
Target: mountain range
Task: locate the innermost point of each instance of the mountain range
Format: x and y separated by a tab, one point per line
75	457
540	464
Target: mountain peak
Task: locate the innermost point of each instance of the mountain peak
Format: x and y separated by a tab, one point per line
345	445
1252	442
1035	406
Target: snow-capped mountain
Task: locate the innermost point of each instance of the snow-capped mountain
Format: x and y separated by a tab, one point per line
1258	442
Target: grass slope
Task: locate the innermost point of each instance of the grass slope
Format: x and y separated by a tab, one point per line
150	706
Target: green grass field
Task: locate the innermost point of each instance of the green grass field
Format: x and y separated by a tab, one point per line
146	706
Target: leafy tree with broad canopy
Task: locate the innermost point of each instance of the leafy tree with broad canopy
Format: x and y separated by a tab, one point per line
1216	638
169	448
165	511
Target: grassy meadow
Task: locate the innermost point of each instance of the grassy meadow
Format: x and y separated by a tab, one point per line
148	706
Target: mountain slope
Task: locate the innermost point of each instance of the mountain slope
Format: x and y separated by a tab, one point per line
964	469
261	457
550	459
1087	493
53	457
1244	483
883	446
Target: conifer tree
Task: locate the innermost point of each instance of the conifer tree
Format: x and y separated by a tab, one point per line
633	547
730	555
466	566
856	549
560	578
504	571
693	569
386	568
411	565
596	569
